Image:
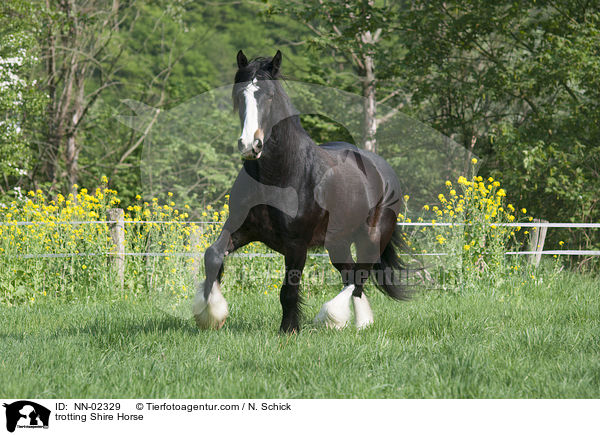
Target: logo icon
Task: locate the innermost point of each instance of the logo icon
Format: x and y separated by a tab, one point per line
26	414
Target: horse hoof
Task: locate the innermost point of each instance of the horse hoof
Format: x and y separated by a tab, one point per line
204	323
211	313
324	317
220	325
206	319
336	313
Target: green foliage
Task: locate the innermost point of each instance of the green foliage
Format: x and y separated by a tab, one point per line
515	82
21	103
520	82
171	57
64	254
334	38
473	227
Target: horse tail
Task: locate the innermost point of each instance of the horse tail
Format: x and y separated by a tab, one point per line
390	274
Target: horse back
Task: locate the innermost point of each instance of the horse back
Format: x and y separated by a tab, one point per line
366	162
338	146
356	186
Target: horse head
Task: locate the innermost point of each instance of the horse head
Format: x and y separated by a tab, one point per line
260	100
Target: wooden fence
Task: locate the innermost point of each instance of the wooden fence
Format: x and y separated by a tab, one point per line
117	222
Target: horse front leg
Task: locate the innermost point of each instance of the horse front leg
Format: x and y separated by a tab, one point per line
290	290
210	307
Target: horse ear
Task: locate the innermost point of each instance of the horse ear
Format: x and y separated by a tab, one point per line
276	63
242	60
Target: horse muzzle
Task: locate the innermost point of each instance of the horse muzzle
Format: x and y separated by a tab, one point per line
253	151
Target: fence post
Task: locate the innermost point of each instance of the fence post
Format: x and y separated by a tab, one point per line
117	236
195	237
536	242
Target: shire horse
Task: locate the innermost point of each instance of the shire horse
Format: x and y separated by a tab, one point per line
292	195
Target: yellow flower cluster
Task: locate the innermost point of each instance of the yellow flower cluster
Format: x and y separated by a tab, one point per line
475	234
51	245
65	248
482	198
39	224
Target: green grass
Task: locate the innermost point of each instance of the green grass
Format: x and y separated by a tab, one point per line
519	340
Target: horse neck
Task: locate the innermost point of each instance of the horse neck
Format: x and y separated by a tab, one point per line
285	153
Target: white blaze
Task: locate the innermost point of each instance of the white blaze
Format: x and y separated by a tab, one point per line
251	118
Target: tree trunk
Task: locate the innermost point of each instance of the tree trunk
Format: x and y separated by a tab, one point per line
73	148
76	51
369	106
368	41
49	151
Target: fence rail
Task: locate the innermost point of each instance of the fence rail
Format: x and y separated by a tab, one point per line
403	224
116	223
252	255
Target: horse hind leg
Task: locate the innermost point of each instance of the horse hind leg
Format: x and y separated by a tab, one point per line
363	315
336	313
377	257
367	253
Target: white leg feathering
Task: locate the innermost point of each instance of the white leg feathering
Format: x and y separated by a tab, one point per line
210	313
363	316
336	313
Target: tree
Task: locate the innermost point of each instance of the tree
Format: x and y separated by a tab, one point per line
21	102
519	81
359	35
173	53
76	49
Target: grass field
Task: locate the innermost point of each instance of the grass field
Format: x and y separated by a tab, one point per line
532	340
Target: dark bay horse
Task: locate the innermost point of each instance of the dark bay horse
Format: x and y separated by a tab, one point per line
292	195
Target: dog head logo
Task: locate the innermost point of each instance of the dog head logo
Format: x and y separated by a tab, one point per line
26	414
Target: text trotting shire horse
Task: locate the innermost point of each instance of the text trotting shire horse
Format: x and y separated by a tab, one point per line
293	195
